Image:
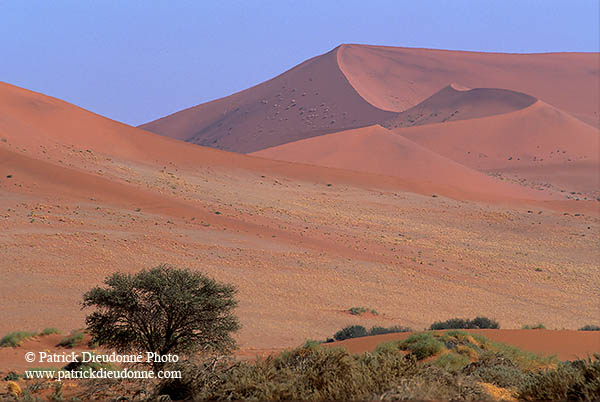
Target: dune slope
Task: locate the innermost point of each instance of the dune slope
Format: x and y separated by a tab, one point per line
311	99
539	143
377	150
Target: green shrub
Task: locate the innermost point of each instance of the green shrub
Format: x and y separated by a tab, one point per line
578	380
534	326
590	328
317	373
389	330
422	345
49	331
462	323
452	361
352	331
313	372
72	340
361	310
14	339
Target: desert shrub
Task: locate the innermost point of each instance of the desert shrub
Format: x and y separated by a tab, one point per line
314	372
352	331
164	310
434	383
497	369
577	380
462	323
590	328
534	326
422	345
14	339
72	340
50	331
452	361
317	373
388	330
361	310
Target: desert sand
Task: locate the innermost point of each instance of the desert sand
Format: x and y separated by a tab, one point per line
411	221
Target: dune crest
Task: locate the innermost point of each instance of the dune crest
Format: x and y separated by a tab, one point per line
396	78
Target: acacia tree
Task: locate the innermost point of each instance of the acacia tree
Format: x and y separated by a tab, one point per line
165	310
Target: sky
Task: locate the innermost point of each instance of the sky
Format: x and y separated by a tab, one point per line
135	61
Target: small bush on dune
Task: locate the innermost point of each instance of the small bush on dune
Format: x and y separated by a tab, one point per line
72	340
462	323
358	331
49	331
362	310
422	345
388	330
590	328
14	339
534	326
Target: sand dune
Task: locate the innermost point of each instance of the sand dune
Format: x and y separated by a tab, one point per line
539	143
311	99
355	86
377	150
394	78
303	243
460	103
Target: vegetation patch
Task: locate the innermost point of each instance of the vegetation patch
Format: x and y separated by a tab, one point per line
462	323
358	331
14	339
72	340
49	331
590	328
362	310
534	326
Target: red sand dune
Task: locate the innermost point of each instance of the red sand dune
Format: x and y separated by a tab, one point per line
354	85
50	129
459	103
396	79
538	143
565	344
311	99
377	150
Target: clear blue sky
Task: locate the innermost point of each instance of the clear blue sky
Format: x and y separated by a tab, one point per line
135	60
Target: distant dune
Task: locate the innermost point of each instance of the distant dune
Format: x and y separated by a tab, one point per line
377	150
355	86
539	143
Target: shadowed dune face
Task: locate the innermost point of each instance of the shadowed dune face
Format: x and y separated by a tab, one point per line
451	104
397	79
311	99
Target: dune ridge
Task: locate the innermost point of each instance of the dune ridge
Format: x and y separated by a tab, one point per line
396	78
